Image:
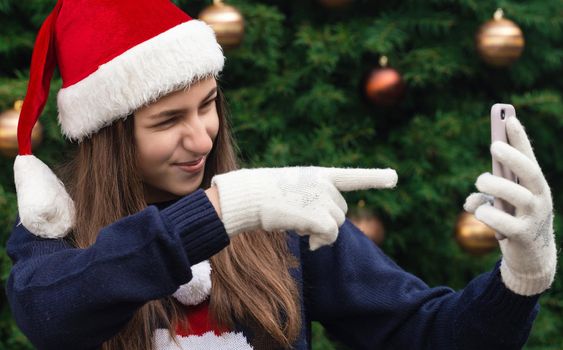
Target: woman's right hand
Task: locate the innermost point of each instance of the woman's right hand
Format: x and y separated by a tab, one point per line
304	199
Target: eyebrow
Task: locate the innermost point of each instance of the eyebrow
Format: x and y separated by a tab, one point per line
171	112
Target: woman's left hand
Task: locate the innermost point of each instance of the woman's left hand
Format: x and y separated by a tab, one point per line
529	254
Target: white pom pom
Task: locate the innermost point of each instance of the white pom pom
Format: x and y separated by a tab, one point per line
198	289
45	208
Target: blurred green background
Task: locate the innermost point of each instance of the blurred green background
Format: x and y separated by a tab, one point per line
295	86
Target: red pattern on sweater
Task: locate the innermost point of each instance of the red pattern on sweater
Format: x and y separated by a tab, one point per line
198	321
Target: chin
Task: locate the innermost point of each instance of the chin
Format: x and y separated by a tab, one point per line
183	191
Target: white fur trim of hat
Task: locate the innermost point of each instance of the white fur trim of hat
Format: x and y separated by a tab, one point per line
171	60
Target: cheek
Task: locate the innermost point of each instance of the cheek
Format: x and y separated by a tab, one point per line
213	127
154	150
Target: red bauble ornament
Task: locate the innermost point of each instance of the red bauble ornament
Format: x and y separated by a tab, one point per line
384	86
473	236
227	23
499	42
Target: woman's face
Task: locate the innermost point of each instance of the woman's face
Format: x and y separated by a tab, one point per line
173	137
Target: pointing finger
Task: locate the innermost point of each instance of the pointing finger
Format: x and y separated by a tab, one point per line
348	179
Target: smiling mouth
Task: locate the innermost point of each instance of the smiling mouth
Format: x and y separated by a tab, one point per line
191	167
189	163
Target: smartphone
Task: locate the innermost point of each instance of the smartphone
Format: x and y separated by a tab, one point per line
500	113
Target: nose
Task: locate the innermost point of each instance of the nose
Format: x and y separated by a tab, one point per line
195	137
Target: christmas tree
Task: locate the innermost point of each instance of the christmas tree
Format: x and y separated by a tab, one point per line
295	87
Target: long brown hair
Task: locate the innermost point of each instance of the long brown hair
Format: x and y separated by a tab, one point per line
250	277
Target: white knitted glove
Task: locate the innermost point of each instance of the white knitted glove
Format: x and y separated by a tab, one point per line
304	199
529	253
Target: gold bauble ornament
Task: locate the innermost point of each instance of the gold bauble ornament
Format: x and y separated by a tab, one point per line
9	131
368	223
384	86
335	4
499	41
474	236
226	21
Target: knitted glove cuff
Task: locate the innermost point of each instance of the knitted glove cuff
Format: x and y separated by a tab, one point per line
239	197
530	282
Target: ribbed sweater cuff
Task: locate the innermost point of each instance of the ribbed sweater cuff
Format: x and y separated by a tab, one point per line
196	222
498	299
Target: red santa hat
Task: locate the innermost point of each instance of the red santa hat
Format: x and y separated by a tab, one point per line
114	56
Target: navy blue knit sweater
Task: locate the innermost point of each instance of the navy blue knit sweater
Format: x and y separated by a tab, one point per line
68	298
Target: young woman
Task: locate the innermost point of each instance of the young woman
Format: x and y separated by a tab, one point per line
157	241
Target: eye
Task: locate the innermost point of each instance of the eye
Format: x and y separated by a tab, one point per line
168	121
208	103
